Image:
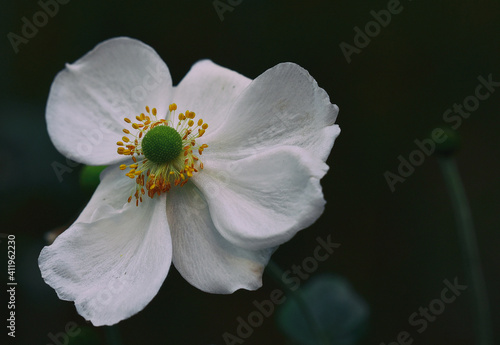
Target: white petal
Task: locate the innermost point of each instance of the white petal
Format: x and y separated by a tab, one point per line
261	201
113	266
283	106
202	256
209	90
89	99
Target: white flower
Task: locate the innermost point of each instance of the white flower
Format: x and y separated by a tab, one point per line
263	155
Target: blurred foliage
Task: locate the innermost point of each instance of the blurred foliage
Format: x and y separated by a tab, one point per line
89	178
339	312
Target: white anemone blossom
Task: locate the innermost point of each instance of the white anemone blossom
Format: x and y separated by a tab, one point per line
210	175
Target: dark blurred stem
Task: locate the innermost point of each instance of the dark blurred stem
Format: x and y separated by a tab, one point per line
277	273
469	248
113	336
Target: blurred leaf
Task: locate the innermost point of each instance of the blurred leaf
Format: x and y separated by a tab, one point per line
89	177
340	313
85	336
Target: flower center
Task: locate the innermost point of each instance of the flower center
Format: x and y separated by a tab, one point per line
162	154
162	144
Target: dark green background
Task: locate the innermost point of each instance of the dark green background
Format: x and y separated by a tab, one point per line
396	248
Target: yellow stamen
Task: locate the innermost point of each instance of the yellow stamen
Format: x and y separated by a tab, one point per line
151	178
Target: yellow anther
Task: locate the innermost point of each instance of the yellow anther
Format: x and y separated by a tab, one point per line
127	120
150	178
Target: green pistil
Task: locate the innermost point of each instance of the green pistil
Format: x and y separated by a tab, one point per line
162	144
